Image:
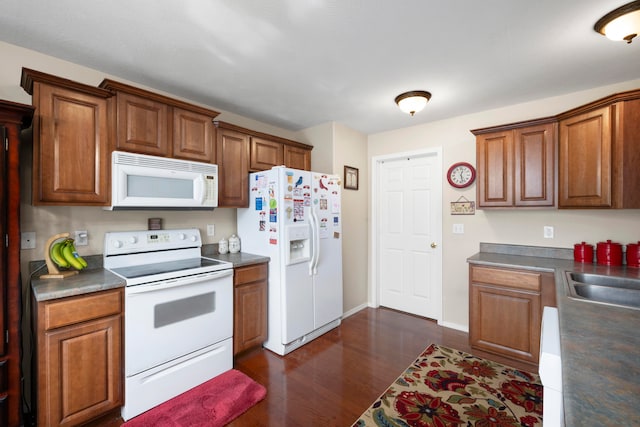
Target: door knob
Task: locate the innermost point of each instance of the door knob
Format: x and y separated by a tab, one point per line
433	245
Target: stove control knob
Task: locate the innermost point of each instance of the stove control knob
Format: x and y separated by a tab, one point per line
133	239
117	243
193	238
182	236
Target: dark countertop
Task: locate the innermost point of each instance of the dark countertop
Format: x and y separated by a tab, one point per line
600	344
86	281
239	259
96	278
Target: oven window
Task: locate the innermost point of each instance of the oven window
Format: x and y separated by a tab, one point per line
155	187
182	309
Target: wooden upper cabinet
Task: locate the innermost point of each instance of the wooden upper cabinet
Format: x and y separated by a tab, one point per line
193	136
240	151
141	125
233	168
515	165
297	157
70	141
265	154
150	123
534	165
494	154
585	159
599	158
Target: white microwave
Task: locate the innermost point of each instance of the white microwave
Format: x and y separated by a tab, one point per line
140	181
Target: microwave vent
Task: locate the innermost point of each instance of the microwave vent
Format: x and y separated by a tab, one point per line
163	163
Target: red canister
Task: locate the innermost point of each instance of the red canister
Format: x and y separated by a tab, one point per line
609	253
633	254
582	252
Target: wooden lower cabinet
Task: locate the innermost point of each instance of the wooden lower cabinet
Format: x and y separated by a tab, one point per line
79	358
505	310
250	306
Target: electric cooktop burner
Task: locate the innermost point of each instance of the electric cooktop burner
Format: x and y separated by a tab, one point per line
184	265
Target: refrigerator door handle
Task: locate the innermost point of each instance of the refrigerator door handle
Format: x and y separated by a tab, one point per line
315	243
312	236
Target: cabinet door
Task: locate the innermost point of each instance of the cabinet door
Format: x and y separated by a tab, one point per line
233	168
494	152
534	153
265	154
505	321
250	306
71	149
82	379
142	125
250	316
297	158
584	160
193	136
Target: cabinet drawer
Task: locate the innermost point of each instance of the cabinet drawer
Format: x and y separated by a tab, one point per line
529	281
250	273
80	309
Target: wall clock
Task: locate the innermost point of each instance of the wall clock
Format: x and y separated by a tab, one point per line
461	175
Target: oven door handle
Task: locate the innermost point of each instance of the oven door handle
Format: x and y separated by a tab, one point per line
180	281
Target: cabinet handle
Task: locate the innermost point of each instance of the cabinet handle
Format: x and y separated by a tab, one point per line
433	245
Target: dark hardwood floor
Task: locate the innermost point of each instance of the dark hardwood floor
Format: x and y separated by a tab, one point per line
332	380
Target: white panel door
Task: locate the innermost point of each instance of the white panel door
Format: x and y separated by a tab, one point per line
410	231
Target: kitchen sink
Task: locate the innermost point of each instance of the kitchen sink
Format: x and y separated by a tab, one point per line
610	290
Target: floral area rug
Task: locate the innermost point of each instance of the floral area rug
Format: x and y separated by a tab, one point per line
446	387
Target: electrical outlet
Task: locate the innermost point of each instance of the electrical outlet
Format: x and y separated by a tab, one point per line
548	232
458	228
28	240
82	238
211	230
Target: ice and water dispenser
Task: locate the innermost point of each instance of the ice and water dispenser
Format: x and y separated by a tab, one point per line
297	243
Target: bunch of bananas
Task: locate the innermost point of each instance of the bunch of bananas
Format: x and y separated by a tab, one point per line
65	255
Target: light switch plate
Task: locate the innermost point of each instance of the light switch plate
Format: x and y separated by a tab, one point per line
548	232
458	228
211	229
82	238
28	240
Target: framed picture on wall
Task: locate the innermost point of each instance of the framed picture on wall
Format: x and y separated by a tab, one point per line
350	178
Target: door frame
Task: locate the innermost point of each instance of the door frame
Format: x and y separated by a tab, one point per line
376	161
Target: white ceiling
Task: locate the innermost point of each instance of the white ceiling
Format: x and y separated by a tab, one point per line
300	63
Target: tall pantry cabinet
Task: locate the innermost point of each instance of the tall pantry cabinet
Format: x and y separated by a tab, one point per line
13	118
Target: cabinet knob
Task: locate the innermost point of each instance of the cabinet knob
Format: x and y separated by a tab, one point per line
433	245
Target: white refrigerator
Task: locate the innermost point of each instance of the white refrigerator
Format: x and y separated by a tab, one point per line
294	218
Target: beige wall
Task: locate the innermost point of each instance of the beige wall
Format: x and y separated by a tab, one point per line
335	146
502	226
350	150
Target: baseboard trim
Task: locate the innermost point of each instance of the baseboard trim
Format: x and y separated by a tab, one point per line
456	326
354	310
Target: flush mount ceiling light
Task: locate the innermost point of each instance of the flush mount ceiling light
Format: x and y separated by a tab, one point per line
413	101
622	23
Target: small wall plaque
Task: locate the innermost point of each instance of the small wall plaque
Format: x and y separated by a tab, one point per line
462	206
